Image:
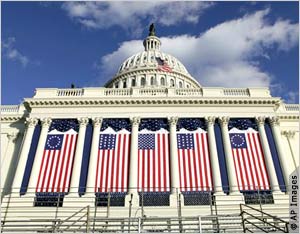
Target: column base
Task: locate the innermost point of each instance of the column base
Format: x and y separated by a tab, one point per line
173	200
132	197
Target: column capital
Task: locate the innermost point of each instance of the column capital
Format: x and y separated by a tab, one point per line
46	122
97	121
83	121
260	120
224	120
288	134
210	120
31	122
274	121
172	120
12	136
135	121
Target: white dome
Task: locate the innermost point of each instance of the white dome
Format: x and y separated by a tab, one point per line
152	68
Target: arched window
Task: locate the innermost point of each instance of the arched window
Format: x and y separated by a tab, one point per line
162	81
152	81
143	81
180	84
133	82
172	83
116	85
187	86
124	84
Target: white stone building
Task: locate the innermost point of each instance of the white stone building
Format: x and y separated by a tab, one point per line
132	150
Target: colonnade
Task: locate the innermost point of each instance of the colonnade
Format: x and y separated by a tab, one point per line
133	173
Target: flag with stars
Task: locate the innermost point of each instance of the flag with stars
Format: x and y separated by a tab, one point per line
153	161
57	161
194	161
112	161
162	65
248	157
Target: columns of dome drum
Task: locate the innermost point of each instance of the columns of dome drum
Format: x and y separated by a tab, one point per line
133	172
78	155
173	155
214	154
267	153
31	123
90	187
274	121
233	186
39	155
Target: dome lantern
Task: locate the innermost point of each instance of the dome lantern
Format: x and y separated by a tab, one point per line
152	42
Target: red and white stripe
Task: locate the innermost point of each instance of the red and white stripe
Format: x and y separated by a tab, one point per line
113	165
56	168
153	165
194	164
250	166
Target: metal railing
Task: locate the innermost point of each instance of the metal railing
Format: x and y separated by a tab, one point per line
129	212
254	220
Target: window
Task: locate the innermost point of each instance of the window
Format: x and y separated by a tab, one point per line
124	84
116	85
152	81
172	83
162	81
143	81
180	84
49	199
133	82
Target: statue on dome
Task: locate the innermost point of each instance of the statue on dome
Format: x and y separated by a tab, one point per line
152	30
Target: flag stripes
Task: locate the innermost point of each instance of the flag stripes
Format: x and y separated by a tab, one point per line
57	162
153	162
113	162
194	162
250	167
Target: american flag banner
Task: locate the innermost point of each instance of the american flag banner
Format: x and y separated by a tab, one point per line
249	162
113	161
163	65
153	161
194	160
57	162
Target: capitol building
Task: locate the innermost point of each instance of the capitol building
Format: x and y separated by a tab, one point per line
151	151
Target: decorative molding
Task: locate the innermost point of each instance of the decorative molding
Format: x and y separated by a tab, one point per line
31	122
135	121
173	120
83	121
274	121
97	121
224	120
210	120
46	122
288	133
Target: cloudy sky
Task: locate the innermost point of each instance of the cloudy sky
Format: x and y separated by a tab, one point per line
226	44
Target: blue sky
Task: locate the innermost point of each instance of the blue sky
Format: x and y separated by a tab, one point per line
226	44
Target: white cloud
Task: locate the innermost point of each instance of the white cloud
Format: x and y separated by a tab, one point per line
225	55
11	53
129	15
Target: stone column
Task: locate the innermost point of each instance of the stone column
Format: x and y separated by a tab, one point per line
91	178
289	135
268	156
133	165
38	155
30	124
7	160
174	165
214	155
74	184
233	186
286	168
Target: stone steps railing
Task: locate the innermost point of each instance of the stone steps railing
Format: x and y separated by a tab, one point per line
150	92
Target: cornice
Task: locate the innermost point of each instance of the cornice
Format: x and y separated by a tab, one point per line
11	118
33	102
